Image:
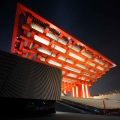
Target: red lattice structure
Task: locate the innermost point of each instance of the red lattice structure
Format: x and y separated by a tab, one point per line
36	38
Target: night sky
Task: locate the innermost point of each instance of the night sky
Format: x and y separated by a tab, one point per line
94	22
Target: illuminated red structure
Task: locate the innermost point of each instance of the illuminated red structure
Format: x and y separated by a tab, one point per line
37	39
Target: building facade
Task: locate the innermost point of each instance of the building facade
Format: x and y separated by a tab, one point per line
36	38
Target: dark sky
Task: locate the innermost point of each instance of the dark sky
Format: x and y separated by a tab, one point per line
95	22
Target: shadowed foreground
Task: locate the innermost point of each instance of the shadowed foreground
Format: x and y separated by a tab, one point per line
63	116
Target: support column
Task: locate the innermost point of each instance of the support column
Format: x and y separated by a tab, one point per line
70	86
90	84
66	93
30	55
86	91
75	91
83	90
80	90
72	91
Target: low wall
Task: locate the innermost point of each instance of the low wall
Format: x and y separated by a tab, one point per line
111	97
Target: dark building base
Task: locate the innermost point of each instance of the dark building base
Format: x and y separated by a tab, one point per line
18	106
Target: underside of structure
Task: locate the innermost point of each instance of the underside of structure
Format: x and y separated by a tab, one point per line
37	39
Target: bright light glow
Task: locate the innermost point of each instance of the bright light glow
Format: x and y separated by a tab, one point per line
58	48
62	41
44	51
86	90
87	74
36	27
70	61
62	58
100	68
72	69
73	91
66	59
68	80
74	48
68	38
72	75
81	66
76	91
86	54
41	40
76	56
93	71
90	63
55	63
83	92
51	35
99	61
42	59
